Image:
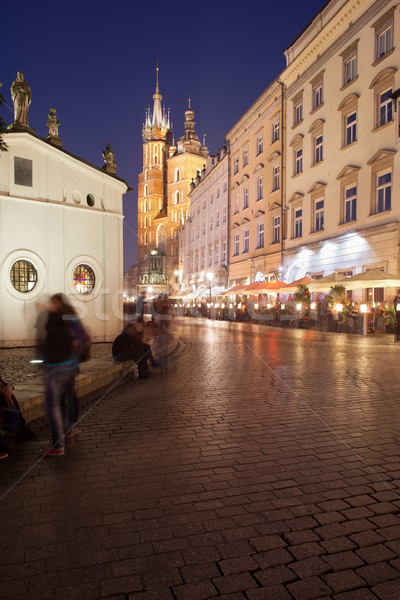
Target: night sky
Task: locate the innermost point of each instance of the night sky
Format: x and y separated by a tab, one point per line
95	62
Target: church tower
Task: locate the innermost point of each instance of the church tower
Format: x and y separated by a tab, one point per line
152	198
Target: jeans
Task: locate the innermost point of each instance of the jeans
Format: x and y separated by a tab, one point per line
59	381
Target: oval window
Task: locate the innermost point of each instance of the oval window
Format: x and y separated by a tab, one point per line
23	276
84	279
90	199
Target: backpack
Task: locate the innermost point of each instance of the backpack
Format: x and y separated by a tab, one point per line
81	342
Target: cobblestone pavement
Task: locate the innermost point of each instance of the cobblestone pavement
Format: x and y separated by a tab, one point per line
264	466
15	365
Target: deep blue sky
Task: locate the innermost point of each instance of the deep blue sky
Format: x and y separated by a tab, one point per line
95	62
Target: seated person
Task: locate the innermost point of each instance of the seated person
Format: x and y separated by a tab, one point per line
8	400
129	345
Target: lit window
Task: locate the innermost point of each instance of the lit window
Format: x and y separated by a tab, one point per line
23	276
84	279
260	188
235	165
350	204
351	128
246	238
245	157
319	215
277	230
384	192
260	235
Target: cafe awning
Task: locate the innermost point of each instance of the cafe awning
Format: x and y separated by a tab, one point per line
325	283
291	288
372	278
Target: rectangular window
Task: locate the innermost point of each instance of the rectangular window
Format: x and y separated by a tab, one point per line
235	165
217	219
350	204
223	251
298	223
319	215
260	188
260	147
202	258
298	112
246	238
384	192
224	214
260	235
236	205
318	147
23	169
210	256
204	227
245	157
216	253
236	245
384	42
275	178
385	107
245	197
211	223
299	161
349	69
351	128
277	230
275	131
317	95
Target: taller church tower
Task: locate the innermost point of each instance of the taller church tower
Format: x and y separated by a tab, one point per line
152	197
163	202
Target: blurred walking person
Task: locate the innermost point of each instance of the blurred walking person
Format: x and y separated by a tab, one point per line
60	370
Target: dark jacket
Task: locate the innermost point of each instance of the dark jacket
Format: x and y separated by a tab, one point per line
58	344
122	348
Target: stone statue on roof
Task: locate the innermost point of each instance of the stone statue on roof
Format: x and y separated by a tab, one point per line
108	155
22	96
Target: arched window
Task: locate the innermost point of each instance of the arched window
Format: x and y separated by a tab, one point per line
177	197
146	175
146	189
177	174
145	206
146	222
162	239
146	238
84	279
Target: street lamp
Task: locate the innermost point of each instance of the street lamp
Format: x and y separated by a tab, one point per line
210	278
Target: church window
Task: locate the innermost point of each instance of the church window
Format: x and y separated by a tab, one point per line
22	171
84	279
90	200
23	276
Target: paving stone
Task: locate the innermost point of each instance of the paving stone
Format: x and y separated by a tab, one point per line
377	553
309	589
309	566
274	592
343	581
377	573
234	583
274	576
388	590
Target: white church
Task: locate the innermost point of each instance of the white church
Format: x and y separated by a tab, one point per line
60	231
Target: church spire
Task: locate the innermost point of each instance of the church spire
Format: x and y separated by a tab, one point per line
157	110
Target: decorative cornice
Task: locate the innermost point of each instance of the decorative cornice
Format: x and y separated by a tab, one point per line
348	170
316	187
295	196
348	32
348	100
381	155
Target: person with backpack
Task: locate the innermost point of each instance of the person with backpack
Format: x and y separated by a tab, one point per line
66	345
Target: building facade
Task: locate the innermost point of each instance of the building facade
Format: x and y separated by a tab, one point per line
163	204
256	164
206	231
61	232
342	141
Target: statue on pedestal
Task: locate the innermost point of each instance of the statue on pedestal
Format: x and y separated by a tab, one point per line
108	155
22	96
53	124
